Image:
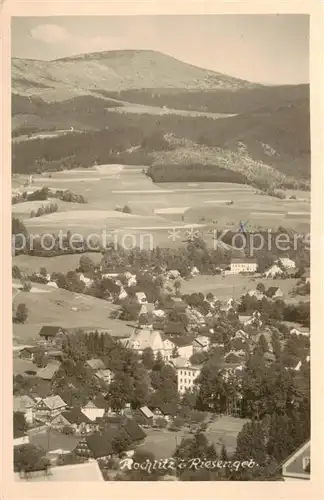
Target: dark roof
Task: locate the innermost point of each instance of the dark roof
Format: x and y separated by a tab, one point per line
30	350
42	388
167	409
100	444
106	361
134	431
100	401
182	341
50	439
18	433
272	290
67	396
49	371
75	416
49	331
244	260
175	327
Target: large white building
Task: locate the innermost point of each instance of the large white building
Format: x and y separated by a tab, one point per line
243	266
186	376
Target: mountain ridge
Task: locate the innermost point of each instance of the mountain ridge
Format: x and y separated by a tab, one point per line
83	74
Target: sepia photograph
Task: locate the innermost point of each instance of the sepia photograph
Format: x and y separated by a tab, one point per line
160	240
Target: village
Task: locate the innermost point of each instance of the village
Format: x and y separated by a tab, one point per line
87	396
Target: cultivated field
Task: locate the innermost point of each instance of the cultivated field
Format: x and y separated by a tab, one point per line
156	209
108	186
234	285
61	263
66	309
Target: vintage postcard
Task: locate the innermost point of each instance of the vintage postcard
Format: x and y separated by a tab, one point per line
162	175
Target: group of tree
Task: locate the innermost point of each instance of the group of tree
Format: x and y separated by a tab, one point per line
21	314
43	210
276	309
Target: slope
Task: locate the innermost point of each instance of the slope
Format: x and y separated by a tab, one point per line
113	71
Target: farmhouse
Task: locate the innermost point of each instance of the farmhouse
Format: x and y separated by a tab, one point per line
186	378
48	408
52	334
243	266
74	419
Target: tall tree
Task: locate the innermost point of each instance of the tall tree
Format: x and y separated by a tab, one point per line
148	358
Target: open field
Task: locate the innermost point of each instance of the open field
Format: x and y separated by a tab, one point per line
163	442
66	309
234	285
61	263
108	186
129	107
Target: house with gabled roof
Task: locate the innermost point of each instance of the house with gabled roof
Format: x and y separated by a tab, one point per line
166	410
49	371
105	375
143	338
97	445
48	408
73	418
95	408
298	465
95	364
51	334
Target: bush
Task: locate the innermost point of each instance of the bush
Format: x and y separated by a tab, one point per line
160	422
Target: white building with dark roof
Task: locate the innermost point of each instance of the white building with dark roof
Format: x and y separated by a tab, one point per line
243	266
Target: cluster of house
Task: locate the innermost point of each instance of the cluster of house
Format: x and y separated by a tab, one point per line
281	266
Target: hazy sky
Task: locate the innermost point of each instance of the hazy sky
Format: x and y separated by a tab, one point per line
271	49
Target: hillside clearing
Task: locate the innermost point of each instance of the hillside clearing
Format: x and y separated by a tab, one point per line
55	308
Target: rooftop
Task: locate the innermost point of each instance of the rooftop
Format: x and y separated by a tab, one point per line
89	471
49	331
